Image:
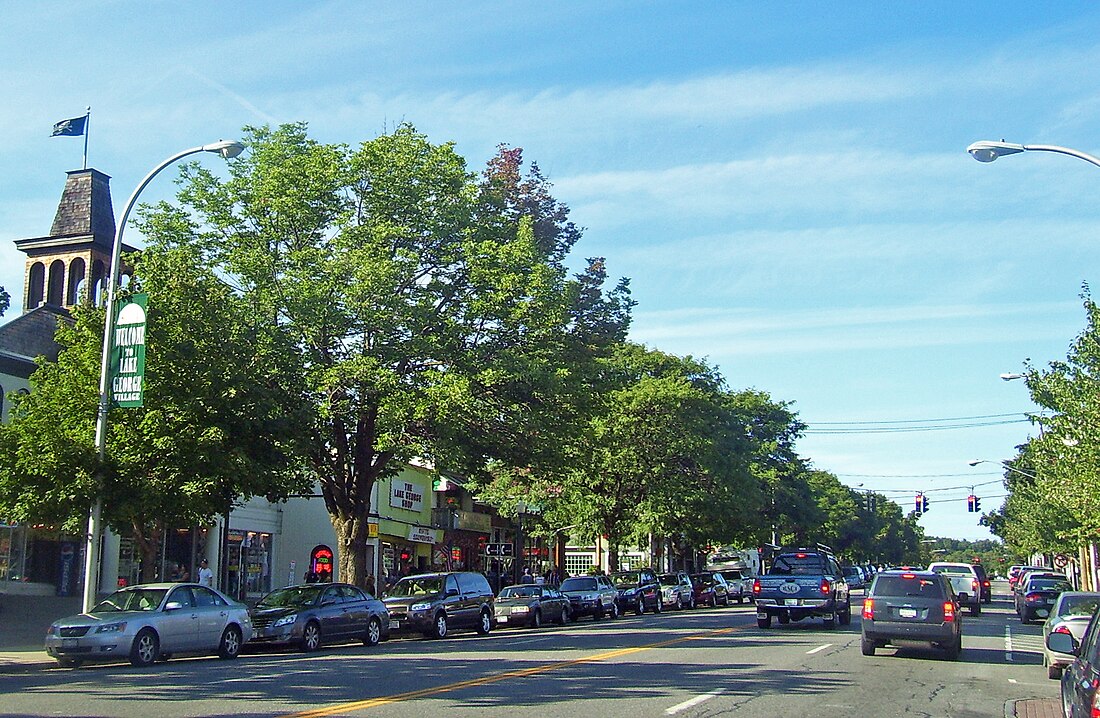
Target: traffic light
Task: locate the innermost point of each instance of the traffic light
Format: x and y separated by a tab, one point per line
977	505
970	503
919	504
924	503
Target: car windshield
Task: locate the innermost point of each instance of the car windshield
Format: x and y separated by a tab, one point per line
668	579
134	599
734	575
1048	584
627	579
797	563
958	570
418	586
1079	605
578	584
908	585
293	596
703	578
520	592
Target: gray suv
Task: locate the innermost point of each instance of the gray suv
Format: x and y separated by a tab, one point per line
911	606
591	596
436	603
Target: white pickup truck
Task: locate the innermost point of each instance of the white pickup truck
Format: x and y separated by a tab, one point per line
964	581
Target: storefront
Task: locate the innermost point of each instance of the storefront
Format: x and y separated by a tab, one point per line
404	526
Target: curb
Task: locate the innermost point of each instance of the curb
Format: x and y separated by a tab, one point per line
1033	708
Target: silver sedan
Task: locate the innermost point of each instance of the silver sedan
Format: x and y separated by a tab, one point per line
1071	614
149	622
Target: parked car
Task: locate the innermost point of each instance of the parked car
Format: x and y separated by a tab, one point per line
153	621
855	577
1079	684
676	590
911	606
1015	570
436	603
1070	614
592	596
710	589
638	591
1038	595
526	604
983	583
316	613
740	587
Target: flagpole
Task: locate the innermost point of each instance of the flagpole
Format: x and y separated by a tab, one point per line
87	131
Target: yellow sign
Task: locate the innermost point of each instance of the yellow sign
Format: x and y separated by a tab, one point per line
372	530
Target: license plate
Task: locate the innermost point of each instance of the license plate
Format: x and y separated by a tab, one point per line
395	625
791	602
69	643
908	612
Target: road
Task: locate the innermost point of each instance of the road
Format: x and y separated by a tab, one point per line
688	664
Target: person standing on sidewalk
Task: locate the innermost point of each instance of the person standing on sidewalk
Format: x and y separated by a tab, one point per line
205	575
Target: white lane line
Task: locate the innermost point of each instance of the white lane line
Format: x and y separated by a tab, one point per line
819	648
691	702
1008	643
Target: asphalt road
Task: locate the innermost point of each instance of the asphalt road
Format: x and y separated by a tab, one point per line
705	662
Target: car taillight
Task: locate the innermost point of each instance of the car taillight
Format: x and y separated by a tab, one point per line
756	585
868	609
826	587
1032	597
1095	712
985	583
974	585
948	612
1061	629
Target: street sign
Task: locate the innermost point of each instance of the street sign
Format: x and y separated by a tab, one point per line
1061	560
128	352
498	549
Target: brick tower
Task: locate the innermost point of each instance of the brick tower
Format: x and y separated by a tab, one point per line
72	263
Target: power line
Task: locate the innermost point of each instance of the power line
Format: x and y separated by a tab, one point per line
920	421
892	426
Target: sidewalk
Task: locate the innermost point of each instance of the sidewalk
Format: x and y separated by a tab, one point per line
23	624
1033	708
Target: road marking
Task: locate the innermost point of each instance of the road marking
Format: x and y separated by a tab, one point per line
1013	680
521	673
1008	643
691	702
819	648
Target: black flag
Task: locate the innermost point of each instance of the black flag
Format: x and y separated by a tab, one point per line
70	128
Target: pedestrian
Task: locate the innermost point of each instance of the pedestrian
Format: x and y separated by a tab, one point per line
369	584
185	575
527	577
206	576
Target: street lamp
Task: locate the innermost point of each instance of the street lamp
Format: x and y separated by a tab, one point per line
987	151
1011	376
1005	464
227	149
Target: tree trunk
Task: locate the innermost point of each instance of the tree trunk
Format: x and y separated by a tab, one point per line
147	543
351	535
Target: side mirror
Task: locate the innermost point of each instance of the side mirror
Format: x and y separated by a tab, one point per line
451	592
173	606
1062	643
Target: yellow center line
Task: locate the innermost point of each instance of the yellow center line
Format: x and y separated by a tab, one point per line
519	673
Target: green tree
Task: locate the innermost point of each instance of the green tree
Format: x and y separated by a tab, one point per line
217	425
430	313
5	300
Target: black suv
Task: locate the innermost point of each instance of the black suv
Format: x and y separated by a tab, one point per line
434	603
911	606
638	591
983	583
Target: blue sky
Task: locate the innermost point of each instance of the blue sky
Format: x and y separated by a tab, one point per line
786	185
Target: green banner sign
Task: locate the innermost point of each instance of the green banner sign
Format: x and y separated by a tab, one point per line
128	352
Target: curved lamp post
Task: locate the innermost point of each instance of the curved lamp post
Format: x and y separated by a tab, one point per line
1005	464
987	151
227	149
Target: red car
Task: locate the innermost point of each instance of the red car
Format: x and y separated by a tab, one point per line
710	589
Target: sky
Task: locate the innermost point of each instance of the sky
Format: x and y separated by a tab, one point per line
786	185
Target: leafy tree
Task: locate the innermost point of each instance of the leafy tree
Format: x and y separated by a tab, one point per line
218	423
5	300
430	313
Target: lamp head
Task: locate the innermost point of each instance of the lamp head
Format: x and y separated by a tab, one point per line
226	148
987	151
974	462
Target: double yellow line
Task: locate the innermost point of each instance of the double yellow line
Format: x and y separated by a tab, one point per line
521	673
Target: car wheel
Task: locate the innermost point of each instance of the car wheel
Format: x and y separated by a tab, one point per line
597	612
485	624
740	599
692	603
536	619
373	635
1054	673
614	610
976	609
679	602
866	647
846	615
784	618
69	662
660	605
714	602
563	617
573	616
954	648
765	622
230	645
830	621
311	637
439	626
641	606
1025	617
145	649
